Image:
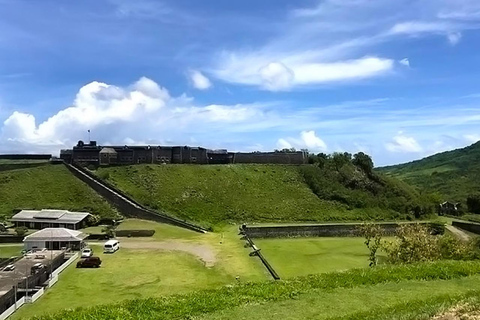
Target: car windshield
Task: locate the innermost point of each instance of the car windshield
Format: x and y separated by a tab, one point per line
108	246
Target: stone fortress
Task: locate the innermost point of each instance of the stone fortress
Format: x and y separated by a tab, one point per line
91	153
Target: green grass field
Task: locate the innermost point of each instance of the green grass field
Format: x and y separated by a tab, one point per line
48	187
338	294
142	273
302	256
10	250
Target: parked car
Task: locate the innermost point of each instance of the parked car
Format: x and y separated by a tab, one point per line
37	267
92	262
111	246
87	252
9	267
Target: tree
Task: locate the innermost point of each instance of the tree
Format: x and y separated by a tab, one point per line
473	203
341	159
364	162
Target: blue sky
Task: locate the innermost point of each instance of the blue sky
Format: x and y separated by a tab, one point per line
396	79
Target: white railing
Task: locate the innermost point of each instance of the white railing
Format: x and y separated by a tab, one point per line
37	295
64	265
7	313
52	281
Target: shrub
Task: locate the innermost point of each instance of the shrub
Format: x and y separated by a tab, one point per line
473	203
21	231
373	240
437	228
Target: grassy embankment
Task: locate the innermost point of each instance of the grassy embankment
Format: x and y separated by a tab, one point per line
46	187
10	250
318	296
216	195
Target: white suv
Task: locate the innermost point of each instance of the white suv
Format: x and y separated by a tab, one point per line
87	253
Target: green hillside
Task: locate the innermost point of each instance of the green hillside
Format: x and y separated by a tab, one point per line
261	193
46	186
454	175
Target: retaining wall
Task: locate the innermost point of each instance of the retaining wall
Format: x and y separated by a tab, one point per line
126	205
467	226
259	254
315	230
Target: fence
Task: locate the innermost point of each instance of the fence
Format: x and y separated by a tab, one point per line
7	313
37	295
52	281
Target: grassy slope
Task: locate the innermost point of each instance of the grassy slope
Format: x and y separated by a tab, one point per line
453	174
47	187
350	291
236	193
7	251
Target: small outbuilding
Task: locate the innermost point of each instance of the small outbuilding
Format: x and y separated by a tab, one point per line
108	156
55	239
39	219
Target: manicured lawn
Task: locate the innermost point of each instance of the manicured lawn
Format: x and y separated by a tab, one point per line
338	303
302	256
138	273
7	251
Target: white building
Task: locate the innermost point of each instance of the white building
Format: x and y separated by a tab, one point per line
46	218
55	239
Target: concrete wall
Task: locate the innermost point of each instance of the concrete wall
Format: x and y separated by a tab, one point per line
126	205
270	157
467	226
314	230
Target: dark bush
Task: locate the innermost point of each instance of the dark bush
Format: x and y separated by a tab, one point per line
135	233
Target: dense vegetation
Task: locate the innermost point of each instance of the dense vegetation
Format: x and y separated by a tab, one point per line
46	186
204	302
453	175
264	193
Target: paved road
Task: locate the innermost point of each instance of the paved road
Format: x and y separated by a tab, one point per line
459	233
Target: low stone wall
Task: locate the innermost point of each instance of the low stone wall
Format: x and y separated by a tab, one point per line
315	230
467	226
10	238
126	205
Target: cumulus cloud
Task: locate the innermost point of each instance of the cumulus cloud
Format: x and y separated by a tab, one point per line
276	76
404	144
141	111
405	62
308	140
199	81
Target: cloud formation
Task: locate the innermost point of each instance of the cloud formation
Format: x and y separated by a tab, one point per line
199	81
308	140
403	143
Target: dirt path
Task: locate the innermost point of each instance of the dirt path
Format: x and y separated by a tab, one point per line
203	252
459	233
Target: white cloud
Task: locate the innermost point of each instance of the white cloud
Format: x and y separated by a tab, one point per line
308	140
405	62
454	37
141	111
276	76
415	27
296	70
403	143
199	81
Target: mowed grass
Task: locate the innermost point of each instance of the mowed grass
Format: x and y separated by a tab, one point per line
143	273
8	251
351	302
48	187
301	256
218	194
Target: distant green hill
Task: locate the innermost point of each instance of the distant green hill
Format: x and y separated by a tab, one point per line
45	186
263	193
453	175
